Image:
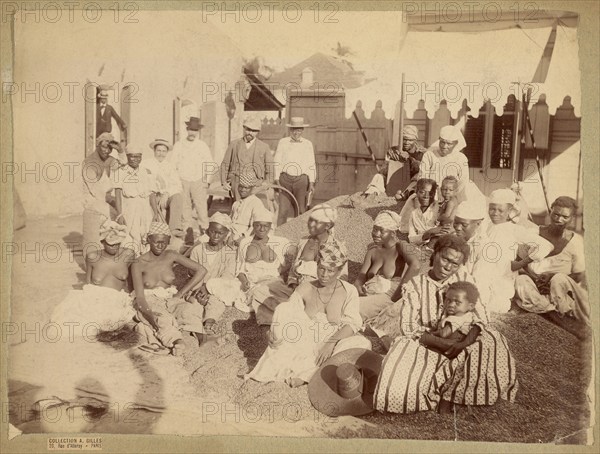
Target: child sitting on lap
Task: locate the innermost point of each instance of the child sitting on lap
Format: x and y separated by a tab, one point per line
458	321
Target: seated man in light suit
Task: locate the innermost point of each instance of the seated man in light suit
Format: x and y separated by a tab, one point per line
168	185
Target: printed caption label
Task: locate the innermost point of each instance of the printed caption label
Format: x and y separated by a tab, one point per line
74	444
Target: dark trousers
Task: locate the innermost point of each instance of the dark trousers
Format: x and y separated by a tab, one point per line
297	186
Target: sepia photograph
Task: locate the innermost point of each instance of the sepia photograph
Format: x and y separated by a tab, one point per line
299	223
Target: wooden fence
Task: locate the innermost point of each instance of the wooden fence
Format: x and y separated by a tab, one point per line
344	165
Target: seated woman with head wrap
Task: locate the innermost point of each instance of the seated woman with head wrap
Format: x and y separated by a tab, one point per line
325	319
496	265
477	370
320	231
386	258
261	260
161	309
103	301
219	288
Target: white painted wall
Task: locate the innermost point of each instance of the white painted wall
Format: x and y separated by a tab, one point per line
158	54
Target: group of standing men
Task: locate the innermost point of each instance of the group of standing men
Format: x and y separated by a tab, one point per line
175	180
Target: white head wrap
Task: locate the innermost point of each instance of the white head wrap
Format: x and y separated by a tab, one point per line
470	211
503	196
452	134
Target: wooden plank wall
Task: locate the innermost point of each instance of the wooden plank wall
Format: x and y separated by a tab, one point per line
344	164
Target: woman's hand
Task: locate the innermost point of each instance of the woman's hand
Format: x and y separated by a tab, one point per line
121	219
325	352
454	350
361	289
245	282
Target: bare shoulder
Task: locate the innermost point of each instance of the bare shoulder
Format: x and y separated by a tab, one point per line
305	289
92	257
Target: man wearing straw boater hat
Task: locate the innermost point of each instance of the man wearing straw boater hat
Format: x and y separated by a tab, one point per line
169	195
295	169
192	158
105	114
245	156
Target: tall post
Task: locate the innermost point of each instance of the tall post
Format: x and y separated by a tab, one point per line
401	125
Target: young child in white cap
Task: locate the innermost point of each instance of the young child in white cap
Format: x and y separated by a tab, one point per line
496	263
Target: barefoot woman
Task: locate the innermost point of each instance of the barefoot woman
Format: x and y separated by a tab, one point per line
103	302
162	311
320	319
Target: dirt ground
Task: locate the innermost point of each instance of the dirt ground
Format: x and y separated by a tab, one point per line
203	392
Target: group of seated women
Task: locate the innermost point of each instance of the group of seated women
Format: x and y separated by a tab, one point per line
427	295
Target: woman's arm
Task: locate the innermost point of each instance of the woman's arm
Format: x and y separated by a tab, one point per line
199	274
362	274
413	264
119	206
88	269
245	282
454	350
327	350
140	299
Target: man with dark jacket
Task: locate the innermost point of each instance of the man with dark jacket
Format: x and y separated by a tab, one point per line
247	155
104	115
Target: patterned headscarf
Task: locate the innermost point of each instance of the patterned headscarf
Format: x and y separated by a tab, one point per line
248	179
388	220
332	253
159	228
221	218
112	232
324	213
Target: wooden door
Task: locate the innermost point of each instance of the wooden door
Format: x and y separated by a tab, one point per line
500	148
323	110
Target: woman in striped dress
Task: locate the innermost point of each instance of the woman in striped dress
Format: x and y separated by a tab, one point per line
475	371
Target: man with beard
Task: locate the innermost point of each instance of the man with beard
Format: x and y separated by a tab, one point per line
556	283
246	156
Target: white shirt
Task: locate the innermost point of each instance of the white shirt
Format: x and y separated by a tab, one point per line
166	175
437	167
242	215
295	158
568	261
421	221
193	160
406	212
492	265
